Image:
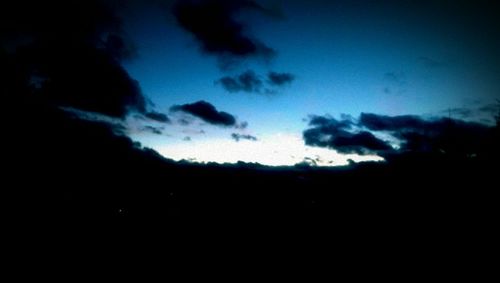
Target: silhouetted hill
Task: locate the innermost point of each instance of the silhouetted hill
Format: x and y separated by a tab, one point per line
82	170
76	188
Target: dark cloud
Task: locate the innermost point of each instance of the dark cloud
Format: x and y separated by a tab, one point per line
252	83
279	79
74	57
377	122
345	123
340	135
412	134
360	143
207	112
187	138
157	116
247	82
437	135
154	130
215	26
238	137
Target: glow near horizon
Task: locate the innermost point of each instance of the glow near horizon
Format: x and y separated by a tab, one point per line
340	55
273	150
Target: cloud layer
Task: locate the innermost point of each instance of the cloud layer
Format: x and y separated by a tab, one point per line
341	136
407	133
436	135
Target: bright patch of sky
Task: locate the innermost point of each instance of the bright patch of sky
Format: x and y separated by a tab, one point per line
273	150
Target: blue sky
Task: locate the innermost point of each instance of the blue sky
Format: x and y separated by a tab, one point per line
385	57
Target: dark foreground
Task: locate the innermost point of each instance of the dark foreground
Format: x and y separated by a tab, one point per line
82	191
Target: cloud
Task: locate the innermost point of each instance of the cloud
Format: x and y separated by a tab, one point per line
436	135
250	82
156	116
243	125
238	137
377	122
404	134
279	79
247	82
328	122
341	136
154	130
75	56
207	112
215	26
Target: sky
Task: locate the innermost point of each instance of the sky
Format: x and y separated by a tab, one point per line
245	80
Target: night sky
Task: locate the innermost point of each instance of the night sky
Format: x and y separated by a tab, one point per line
335	58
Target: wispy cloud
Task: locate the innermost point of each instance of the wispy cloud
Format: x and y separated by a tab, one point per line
237	137
250	82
